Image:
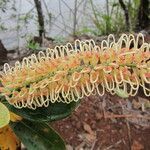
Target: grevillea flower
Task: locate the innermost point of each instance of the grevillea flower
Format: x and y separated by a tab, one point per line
68	73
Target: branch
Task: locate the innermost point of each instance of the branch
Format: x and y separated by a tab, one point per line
40	18
126	14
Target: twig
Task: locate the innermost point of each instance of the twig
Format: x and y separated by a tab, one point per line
93	145
128	128
75	18
114	145
106	116
56	18
103	106
49	15
129	133
67	6
18	27
62	17
80	3
94	11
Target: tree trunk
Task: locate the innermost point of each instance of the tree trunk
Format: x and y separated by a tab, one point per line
75	18
143	20
3	54
126	14
40	18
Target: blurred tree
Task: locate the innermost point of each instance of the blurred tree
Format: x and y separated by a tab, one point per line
3	53
126	14
143	19
40	18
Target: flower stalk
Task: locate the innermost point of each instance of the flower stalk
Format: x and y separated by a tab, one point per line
68	73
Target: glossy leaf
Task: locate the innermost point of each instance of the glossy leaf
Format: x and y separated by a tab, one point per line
55	111
38	136
4	115
8	140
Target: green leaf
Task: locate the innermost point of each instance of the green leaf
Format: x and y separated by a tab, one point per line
37	136
4	115
121	93
55	111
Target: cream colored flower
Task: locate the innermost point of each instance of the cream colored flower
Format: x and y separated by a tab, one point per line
68	73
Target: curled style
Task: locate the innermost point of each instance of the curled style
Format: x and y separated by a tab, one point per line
68	73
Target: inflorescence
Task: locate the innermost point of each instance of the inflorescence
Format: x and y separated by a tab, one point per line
68	73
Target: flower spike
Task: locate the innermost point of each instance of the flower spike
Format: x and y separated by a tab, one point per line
68	73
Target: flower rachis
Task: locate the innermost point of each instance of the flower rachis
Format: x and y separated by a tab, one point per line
68	73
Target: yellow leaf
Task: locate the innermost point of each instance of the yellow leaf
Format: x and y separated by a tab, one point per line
4	115
8	139
14	117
